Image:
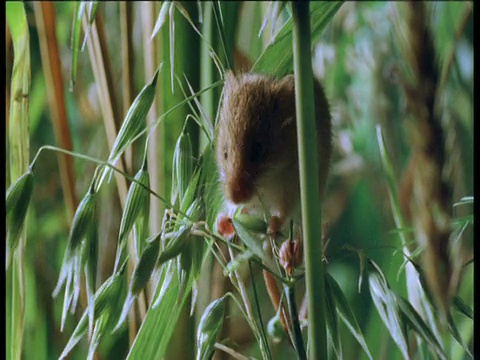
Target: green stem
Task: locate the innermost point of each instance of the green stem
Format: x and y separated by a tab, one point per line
17	163
264	343
309	185
106	163
207	75
297	332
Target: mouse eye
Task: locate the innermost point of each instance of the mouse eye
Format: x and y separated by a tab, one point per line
225	154
257	152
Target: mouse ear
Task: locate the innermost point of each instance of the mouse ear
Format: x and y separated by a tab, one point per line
287	83
230	80
229	76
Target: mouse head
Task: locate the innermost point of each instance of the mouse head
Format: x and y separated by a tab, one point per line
256	132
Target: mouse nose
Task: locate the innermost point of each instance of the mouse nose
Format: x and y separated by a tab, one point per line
240	189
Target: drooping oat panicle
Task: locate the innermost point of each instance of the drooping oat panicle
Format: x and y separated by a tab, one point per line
81	251
106	299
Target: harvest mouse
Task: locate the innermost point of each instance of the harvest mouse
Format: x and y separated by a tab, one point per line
256	145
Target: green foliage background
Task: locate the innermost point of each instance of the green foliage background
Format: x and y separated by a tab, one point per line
359	59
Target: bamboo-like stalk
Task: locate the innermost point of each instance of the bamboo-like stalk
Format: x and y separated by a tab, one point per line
206	75
309	185
19	153
186	50
213	286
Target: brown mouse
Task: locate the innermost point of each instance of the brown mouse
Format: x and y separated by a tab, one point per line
256	144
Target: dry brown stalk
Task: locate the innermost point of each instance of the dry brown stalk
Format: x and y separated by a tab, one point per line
429	194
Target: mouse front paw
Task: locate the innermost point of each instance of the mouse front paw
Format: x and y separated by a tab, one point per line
225	226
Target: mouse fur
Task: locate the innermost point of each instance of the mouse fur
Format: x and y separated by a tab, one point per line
256	144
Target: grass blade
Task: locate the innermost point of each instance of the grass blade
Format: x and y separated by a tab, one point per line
93	5
457	336
332	319
462	307
386	306
277	58
75	39
346	313
207	123
162	18
171	14
416	323
158	326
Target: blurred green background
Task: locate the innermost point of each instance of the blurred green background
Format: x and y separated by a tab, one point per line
360	60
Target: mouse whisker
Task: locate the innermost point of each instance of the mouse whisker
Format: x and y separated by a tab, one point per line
261	201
